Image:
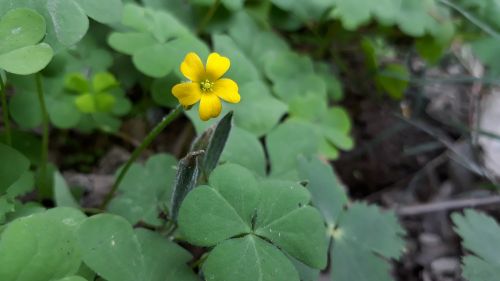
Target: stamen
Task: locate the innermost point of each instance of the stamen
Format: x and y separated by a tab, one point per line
207	85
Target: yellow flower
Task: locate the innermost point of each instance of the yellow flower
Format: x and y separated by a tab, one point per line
206	85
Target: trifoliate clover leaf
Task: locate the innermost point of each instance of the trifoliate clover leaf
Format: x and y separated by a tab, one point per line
236	211
480	235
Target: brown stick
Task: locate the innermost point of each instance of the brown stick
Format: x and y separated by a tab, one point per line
422	209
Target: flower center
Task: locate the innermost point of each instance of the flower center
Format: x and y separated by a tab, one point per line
207	85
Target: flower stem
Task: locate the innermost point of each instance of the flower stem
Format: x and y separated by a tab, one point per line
45	133
137	152
208	16
5	110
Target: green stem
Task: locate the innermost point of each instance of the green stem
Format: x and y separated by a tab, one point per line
208	16
137	152
45	132
5	111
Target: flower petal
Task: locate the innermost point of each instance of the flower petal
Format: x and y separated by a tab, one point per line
210	106
227	90
187	93
217	65
193	68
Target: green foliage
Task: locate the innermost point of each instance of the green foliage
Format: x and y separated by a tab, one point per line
157	41
57	13
62	193
48	240
146	190
237	211
234	199
12	167
362	234
20	33
479	234
117	252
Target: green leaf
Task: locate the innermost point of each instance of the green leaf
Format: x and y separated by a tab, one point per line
233	4
104	81
109	11
306	273
130	42
72	278
256	98
284	218
112	249
104	102
355	13
327	191
309	246
242	68
362	237
305	10
6	207
417	18
479	234
138	18
26	143
76	82
86	103
47	240
23	185
243	148
486	49
284	157
66	20
291	88
309	107
476	269
155	61
12	166
356	222
163	260
20	28
186	179
393	79
287	65
63	112
260	261
350	259
161	91
335	126
25	109
62	193
26	60
211	214
24	210
145	190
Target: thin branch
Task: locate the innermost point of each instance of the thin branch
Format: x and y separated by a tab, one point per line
423	209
